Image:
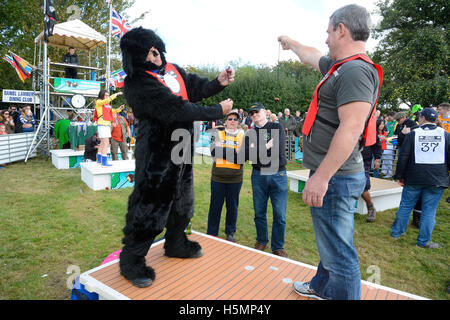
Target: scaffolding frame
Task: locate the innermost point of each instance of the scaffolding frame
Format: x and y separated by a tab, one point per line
43	88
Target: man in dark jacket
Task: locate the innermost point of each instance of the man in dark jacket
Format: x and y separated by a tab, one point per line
288	122
91	147
404	126
164	99
71	58
264	146
422	170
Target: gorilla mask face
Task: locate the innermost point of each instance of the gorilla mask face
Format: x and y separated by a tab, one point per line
135	46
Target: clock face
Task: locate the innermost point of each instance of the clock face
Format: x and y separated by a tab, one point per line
78	101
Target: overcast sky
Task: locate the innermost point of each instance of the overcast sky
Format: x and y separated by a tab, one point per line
215	32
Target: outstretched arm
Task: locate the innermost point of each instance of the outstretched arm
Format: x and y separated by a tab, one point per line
150	99
307	55
199	88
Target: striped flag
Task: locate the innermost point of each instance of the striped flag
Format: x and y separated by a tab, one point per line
117	78
119	26
21	66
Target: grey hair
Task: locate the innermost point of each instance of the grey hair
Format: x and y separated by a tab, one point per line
355	18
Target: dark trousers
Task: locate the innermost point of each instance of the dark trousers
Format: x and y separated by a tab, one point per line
71	73
219	193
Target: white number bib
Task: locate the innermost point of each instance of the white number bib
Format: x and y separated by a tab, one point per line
429	146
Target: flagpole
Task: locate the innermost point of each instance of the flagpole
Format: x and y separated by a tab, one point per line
46	87
43	93
108	65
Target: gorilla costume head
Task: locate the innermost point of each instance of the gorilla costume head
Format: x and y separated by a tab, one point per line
135	45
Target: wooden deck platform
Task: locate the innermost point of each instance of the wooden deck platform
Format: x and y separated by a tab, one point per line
226	271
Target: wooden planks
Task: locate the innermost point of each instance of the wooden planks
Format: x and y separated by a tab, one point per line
226	271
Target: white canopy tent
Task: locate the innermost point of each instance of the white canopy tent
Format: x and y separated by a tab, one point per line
74	33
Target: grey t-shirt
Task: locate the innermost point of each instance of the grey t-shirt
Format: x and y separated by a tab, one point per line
355	80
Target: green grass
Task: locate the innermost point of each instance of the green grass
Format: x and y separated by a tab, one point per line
50	220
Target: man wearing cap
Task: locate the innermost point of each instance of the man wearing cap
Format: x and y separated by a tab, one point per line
264	147
334	131
164	98
422	170
269	179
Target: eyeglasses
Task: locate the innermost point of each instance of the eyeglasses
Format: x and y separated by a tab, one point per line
232	119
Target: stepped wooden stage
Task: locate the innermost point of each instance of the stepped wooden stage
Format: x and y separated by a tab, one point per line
226	271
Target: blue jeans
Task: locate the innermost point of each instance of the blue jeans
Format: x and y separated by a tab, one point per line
219	193
338	275
430	200
274	186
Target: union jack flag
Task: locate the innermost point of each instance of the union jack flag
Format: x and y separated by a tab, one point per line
119	26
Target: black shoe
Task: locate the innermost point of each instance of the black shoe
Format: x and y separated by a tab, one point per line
230	237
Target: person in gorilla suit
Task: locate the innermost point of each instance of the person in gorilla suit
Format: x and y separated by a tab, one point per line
163	98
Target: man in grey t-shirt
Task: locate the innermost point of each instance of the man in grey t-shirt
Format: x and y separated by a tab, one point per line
331	150
355	80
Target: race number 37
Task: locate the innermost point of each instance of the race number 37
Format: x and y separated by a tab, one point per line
430	147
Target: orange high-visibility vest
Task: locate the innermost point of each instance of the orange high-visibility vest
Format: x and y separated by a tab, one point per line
370	131
229	142
445	122
172	71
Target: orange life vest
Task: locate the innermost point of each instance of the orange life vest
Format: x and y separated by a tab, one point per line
106	113
370	131
172	73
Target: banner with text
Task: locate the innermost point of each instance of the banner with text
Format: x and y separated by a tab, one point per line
77	86
19	96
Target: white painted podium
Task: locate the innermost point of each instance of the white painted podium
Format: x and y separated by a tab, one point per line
385	194
67	158
118	176
71	159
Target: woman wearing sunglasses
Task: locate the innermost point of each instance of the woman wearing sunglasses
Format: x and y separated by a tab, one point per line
226	178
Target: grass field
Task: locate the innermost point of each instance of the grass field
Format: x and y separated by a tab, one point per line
53	225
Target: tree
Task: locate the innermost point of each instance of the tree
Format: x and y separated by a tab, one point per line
23	20
413	51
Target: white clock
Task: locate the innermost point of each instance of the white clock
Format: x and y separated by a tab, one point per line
78	101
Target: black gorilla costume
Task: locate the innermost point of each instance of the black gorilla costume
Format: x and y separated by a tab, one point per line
163	196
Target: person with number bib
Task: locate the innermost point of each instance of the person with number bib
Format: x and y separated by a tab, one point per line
422	171
226	178
341	119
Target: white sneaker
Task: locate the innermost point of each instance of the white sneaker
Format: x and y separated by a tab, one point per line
304	289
